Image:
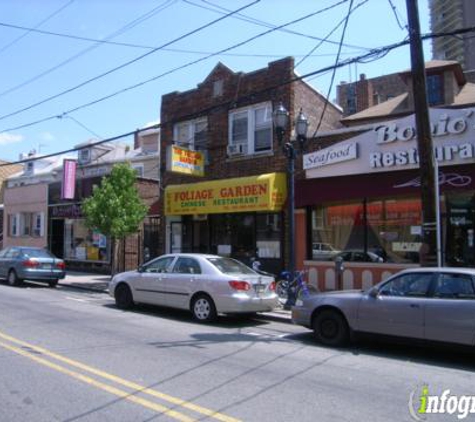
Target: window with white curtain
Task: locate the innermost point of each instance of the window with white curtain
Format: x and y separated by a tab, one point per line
250	130
14	225
192	134
38	224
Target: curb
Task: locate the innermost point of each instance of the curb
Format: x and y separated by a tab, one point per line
278	316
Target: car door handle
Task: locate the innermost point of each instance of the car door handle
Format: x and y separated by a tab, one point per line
414	305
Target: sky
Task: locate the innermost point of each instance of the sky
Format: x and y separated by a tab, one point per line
74	70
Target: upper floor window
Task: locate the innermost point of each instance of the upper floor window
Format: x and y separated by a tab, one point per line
192	134
139	168
38	224
250	130
30	165
26	224
84	156
14	225
218	88
435	89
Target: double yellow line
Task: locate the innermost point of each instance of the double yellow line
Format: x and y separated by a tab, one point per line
31	351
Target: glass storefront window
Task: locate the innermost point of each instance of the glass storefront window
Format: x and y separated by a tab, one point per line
372	231
83	244
460	222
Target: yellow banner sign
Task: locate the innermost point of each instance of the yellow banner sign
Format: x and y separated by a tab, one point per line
266	192
186	161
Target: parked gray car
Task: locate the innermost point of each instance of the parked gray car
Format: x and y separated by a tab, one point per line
204	284
434	304
19	263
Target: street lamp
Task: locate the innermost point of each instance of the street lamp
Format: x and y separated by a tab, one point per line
281	120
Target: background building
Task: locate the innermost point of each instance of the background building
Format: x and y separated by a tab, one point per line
37	213
392	94
6	170
449	15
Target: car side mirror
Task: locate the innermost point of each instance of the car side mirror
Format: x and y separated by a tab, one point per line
373	292
141	269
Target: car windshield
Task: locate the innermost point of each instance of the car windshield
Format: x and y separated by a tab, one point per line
36	253
230	266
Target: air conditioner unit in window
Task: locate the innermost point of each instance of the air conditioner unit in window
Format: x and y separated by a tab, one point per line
237	149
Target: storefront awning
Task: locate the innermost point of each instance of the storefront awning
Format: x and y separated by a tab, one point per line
266	192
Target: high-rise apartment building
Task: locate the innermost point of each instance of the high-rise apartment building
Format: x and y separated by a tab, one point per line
449	15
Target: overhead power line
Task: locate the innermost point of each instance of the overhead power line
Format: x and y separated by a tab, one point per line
217	106
336	62
139	84
364	58
128	63
329	34
6	46
219	9
396	15
120	31
375	52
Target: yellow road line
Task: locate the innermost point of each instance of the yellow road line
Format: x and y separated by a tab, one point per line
88	380
132	385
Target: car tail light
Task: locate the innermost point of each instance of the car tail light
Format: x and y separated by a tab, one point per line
30	263
240	285
61	265
272	286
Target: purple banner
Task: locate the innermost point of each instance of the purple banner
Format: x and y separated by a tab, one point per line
69	179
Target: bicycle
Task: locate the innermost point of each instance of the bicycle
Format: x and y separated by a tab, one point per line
297	286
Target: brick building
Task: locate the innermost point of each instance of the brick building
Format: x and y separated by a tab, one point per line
224	127
393	92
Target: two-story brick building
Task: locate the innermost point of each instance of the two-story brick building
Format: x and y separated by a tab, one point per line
235	204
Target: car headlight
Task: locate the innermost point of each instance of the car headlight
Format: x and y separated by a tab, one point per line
299	302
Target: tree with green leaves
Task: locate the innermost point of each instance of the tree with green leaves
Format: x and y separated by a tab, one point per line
115	207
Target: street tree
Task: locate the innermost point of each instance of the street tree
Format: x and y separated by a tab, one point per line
115	207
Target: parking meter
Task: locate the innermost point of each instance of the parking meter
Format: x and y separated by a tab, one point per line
339	268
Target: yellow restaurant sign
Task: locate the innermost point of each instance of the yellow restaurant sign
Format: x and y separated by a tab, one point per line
266	192
186	161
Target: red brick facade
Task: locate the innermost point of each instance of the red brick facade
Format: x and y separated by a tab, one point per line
224	91
357	96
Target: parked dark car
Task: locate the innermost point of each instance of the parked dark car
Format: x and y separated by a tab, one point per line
433	304
351	255
19	263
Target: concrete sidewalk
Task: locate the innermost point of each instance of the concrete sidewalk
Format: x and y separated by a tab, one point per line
99	283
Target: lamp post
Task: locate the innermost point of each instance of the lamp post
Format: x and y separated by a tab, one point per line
281	121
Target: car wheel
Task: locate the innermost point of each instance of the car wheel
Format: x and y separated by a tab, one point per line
53	283
331	328
123	297
13	279
203	308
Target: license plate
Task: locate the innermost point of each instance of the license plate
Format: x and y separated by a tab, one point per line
46	266
259	288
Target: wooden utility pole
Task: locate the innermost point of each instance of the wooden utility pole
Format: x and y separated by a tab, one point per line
428	252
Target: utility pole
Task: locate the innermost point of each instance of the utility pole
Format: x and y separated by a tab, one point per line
428	252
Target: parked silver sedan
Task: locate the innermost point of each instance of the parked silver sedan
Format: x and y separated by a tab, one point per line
434	304
18	263
204	284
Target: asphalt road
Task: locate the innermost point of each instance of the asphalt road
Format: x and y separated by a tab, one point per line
71	355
